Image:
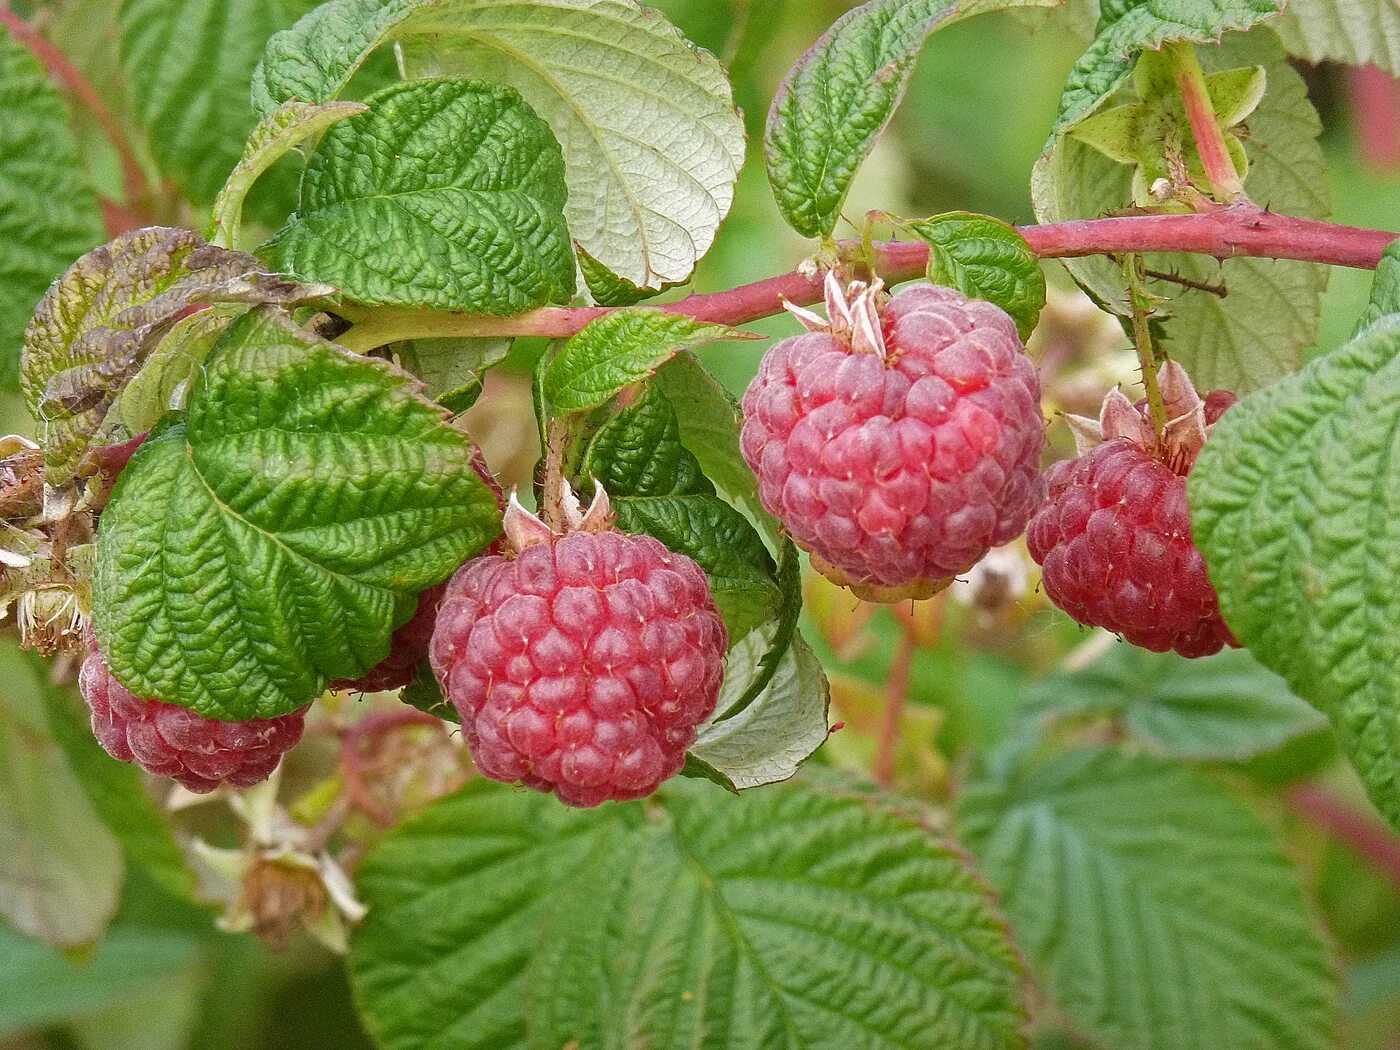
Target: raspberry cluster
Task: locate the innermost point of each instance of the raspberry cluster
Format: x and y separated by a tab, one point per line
1114	537
898	442
171	741
580	664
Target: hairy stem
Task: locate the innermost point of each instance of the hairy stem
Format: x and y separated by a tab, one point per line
1225	233
1142	304
1361	832
1205	127
56	63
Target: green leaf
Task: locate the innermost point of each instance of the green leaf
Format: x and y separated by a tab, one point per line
985	258
167	372
608	289
44	988
60	868
276	135
116	792
646	119
657	489
1357	32
619	349
277	539
1385	289
188	63
735	917
48	211
1292	508
767	738
1225	706
1131	26
103	318
838	97
1157	911
448	194
451	369
1258	332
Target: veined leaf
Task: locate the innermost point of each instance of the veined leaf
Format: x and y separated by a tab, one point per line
61	870
839	96
276	135
619	349
1225	706
1257	333
647	121
447	193
985	258
1291	506
48	211
452	369
1158	912
103	318
276	539
1357	32
188	63
1385	289
722	915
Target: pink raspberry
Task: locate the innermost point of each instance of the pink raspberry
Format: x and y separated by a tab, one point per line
897	444
171	741
1114	539
580	664
408	649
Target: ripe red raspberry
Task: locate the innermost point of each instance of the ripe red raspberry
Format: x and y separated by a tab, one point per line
171	741
898	445
580	664
1114	539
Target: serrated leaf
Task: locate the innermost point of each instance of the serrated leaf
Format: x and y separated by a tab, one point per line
187	63
1290	506
103	318
985	258
1157	911
1132	26
657	489
1385	289
1258	332
118	796
608	289
447	193
647	121
48	211
1357	32
451	369
618	350
837	98
722	915
61	870
277	539
276	135
1226	706
168	370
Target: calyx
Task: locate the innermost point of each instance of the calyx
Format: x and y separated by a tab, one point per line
852	314
1183	436
525	529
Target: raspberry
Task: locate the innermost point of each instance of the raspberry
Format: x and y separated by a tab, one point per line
407	649
898	445
1114	539
171	741
580	664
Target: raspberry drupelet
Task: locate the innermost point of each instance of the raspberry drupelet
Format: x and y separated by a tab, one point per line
580	664
1114	538
897	441
171	741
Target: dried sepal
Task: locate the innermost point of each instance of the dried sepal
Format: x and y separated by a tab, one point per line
524	529
852	314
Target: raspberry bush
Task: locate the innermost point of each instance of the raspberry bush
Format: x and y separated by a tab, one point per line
960	608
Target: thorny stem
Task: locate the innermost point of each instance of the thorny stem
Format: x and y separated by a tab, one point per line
1142	304
896	697
52	59
1241	229
1205	127
1362	833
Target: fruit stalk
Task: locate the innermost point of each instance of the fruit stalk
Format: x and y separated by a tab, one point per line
1205	127
1225	232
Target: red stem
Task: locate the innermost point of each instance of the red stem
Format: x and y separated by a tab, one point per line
1365	835
58	66
1205	127
1227	232
896	697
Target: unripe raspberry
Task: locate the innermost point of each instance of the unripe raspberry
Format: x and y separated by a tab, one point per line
898	444
1114	538
580	664
171	741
